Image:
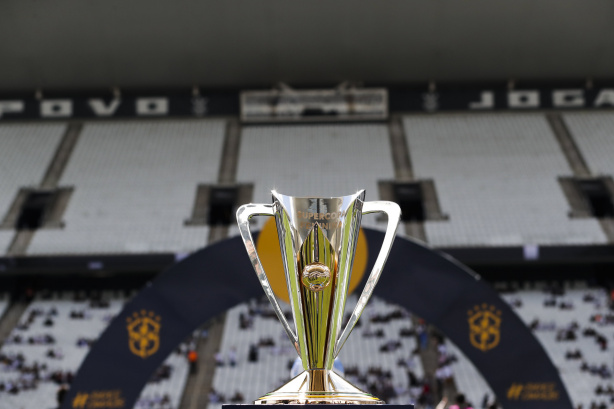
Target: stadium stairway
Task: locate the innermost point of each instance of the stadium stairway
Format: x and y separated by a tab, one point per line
198	385
430	361
10	319
227	174
403	171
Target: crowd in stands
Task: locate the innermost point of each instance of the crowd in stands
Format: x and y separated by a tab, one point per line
217	397
25	368
25	375
585	333
377	380
21	374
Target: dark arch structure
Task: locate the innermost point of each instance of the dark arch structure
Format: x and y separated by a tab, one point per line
427	283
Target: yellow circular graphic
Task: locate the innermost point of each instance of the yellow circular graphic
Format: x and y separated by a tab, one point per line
270	255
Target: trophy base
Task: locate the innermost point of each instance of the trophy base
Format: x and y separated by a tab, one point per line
318	387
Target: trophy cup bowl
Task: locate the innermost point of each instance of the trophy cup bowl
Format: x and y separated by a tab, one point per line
318	238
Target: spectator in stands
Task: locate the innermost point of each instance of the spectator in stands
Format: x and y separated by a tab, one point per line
534	324
237	398
215	397
193	360
232	356
252	356
484	401
461	403
423	336
573	354
84	342
54	353
550	302
61	394
603	342
29	294
219	359
390	346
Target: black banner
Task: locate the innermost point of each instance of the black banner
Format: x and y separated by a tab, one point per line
427	283
228	103
481	100
156	106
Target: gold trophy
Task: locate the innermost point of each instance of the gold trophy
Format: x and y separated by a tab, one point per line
318	241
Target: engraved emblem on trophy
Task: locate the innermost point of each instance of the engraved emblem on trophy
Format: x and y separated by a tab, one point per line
318	238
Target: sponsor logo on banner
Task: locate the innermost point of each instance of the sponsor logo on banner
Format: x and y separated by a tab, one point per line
108	399
143	333
430	101
314	104
533	391
484	327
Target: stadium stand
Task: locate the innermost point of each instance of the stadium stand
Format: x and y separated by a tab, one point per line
575	326
165	389
254	340
594	134
384	342
375	356
25	153
51	340
496	177
322	160
468	379
48	345
135	184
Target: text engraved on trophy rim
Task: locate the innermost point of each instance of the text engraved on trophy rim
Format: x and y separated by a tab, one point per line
328	221
327	226
319	216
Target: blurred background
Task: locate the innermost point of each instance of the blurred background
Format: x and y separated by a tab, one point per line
131	131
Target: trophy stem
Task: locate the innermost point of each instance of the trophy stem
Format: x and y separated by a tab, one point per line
318	380
318	386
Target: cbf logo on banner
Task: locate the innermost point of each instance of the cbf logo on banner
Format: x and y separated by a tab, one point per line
427	283
484	326
143	333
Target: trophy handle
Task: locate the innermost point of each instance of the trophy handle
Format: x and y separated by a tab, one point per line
244	214
393	211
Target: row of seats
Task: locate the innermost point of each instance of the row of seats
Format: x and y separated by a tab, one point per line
315	160
593	133
25	153
135	187
135	181
496	179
